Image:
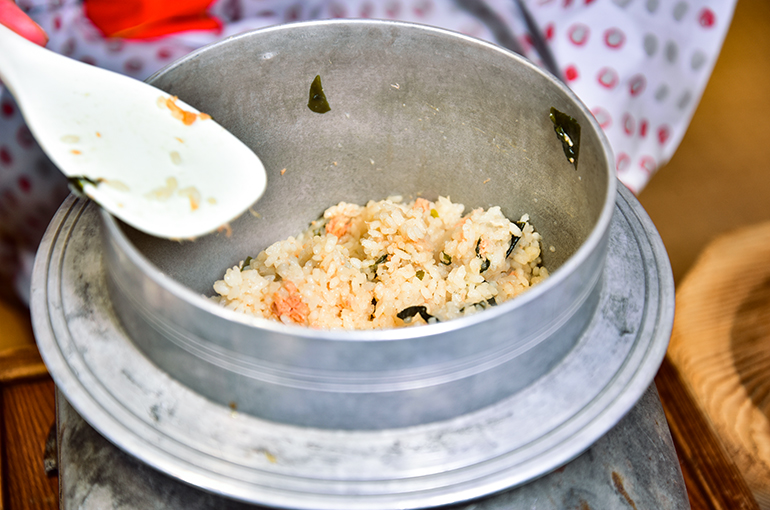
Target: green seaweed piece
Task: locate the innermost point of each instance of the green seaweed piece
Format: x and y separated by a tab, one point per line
246	263
515	239
482	304
420	274
317	101
445	259
377	262
485	261
77	182
408	313
568	131
373	268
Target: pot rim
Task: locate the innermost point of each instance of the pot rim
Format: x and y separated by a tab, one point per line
580	256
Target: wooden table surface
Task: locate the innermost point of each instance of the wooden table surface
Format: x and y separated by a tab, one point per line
720	346
28	409
718	180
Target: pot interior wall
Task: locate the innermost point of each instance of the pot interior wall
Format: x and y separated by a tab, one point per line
413	113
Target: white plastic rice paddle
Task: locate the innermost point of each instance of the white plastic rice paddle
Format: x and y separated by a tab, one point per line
151	160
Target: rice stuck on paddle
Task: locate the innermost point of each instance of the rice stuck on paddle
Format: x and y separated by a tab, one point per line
388	264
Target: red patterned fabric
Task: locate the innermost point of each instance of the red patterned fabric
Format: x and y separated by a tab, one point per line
144	19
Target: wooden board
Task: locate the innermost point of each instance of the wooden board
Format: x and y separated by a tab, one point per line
721	347
27	412
15	327
21	363
712	479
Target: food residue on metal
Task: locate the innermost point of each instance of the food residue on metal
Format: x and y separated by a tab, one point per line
617	480
568	131
175	158
269	456
227	229
187	118
283	171
70	139
317	101
75	152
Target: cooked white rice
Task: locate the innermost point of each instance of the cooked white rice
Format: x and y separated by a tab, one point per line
358	267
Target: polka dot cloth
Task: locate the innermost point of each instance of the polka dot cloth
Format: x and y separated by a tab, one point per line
639	65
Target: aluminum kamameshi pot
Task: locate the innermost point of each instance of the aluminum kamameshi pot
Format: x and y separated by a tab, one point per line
414	112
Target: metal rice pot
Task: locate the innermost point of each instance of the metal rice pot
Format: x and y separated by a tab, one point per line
415	111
